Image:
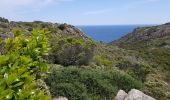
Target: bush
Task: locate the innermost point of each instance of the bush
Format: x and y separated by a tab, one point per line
2	49
137	70
156	87
71	51
3	20
62	26
22	66
82	84
102	61
4	25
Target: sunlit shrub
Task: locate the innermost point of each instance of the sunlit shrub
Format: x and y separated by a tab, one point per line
22	65
99	60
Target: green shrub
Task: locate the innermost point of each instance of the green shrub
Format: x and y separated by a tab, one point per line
3	20
4	25
71	50
22	66
137	70
141	71
62	26
102	61
2	49
156	87
78	83
168	95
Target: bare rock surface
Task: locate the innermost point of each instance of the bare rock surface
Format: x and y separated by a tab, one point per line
60	98
132	95
121	95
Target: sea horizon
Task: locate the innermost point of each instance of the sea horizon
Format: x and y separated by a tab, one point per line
108	33
120	24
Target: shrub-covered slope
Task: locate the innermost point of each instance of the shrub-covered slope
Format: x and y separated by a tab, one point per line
152	44
83	69
69	46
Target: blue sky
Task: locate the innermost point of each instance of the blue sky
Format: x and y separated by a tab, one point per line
88	12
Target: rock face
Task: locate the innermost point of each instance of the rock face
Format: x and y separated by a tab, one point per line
132	95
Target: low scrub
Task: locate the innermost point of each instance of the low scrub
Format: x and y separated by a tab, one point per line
71	50
82	84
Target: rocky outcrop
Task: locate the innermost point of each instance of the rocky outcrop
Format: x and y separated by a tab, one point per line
7	35
132	95
71	30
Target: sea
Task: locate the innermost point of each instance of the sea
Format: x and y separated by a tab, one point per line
107	33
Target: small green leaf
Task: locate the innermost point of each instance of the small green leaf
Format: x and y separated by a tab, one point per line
18	84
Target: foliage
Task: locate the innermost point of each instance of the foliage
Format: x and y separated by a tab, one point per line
78	83
137	70
71	50
146	61
3	20
62	26
102	61
3	25
155	86
22	65
1	46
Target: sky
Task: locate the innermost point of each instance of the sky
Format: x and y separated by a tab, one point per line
88	12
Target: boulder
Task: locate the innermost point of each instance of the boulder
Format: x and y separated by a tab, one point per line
121	95
60	98
137	95
132	95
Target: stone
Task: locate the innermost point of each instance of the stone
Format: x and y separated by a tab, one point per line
134	94
121	95
60	98
137	95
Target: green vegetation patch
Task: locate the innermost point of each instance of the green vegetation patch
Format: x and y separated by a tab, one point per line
21	67
71	50
79	83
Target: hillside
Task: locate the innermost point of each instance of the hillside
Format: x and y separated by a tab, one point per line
145	34
152	44
55	28
81	69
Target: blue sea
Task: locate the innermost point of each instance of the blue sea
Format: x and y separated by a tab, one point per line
108	33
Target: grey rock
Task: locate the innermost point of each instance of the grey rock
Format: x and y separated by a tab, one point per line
60	98
7	35
121	95
132	95
137	95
